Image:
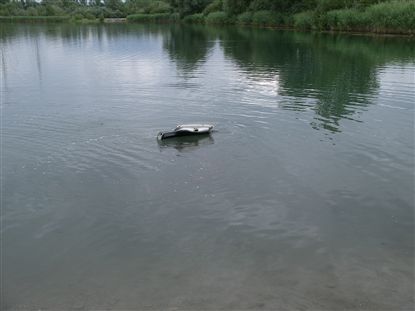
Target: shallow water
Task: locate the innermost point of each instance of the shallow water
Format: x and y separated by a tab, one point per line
301	199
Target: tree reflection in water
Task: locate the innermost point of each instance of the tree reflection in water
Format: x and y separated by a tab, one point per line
337	72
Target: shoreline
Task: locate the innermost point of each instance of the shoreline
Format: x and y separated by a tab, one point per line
124	20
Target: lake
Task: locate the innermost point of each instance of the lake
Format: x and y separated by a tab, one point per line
301	199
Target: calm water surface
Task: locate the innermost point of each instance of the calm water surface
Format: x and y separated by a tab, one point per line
301	200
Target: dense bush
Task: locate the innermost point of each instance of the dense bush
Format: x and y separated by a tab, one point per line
55	19
198	18
156	7
398	16
266	18
303	20
31	12
259	5
214	6
329	5
150	18
346	19
280	6
218	18
244	18
54	10
394	16
189	7
234	7
288	20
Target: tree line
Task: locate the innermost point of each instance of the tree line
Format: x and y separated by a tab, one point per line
82	9
350	15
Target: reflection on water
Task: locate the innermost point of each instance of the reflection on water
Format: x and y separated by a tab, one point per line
188	49
186	143
302	198
333	75
330	74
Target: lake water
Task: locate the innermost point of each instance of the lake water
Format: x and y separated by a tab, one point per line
302	199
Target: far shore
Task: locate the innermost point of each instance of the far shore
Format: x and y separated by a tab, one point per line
125	20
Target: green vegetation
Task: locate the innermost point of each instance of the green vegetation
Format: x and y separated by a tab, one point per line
55	19
214	6
152	18
197	18
396	15
304	20
266	18
346	19
219	18
381	16
244	18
